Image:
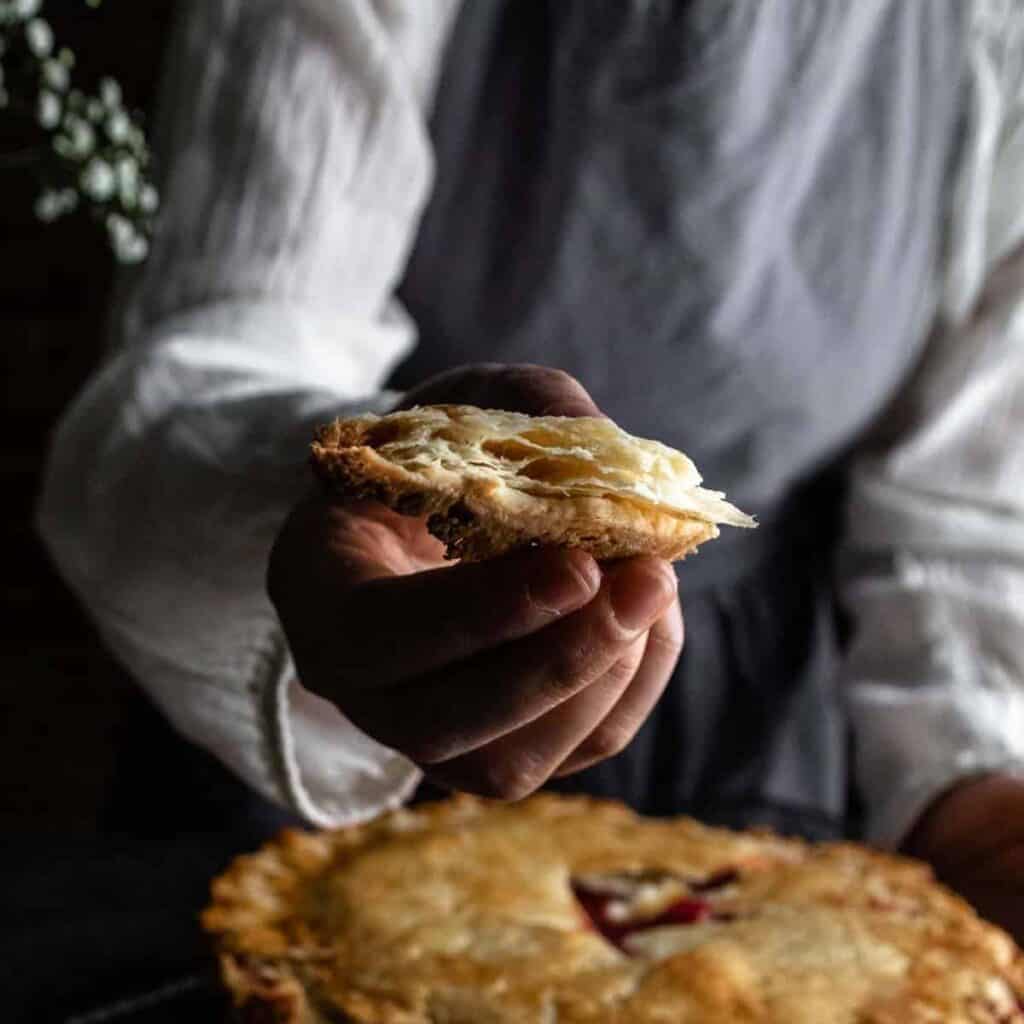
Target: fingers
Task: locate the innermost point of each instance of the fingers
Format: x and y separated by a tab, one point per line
518	387
617	729
492	676
542	391
361	612
323	547
518	763
595	724
451	711
437	618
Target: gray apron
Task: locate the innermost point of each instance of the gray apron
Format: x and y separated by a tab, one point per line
723	217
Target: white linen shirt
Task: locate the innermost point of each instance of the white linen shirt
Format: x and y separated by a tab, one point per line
301	166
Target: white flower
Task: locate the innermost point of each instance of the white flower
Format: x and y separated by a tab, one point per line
119	127
98	180
110	93
25	9
55	75
81	136
128	181
49	206
135	250
129	246
66	57
48	109
119	227
40	37
94	111
149	199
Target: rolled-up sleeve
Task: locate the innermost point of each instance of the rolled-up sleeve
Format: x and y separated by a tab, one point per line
933	571
298	166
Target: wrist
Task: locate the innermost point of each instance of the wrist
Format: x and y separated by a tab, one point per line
969	822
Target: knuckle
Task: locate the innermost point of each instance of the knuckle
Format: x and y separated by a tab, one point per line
567	664
558	378
609	634
531	370
425	748
597	647
548	378
562	387
626	667
508	778
668	642
541	390
607	741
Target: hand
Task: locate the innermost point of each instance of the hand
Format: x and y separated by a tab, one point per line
973	836
492	677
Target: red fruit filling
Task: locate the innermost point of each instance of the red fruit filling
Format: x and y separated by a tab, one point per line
719	880
687	910
595	909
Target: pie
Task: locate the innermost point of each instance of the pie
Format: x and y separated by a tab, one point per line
491	481
565	910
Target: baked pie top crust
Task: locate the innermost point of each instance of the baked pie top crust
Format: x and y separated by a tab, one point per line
559	910
490	481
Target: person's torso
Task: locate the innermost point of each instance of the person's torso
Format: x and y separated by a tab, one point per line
723	217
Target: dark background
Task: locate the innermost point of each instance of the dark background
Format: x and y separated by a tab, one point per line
97	927
91	924
61	694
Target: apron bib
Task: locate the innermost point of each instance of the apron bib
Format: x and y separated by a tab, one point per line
723	218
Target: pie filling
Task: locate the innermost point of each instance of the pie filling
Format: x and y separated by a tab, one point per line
622	904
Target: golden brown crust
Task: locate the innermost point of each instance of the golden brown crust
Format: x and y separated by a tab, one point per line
486	491
464	911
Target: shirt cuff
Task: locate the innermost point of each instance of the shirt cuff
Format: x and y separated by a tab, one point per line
922	743
334	774
891	824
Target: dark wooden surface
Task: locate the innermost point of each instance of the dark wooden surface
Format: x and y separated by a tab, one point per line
61	693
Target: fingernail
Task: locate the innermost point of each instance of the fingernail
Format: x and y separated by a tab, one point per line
640	592
564	582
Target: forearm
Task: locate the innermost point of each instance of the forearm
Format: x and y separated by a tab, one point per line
168	480
932	682
935	555
296	163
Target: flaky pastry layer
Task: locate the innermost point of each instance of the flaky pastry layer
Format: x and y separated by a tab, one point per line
491	481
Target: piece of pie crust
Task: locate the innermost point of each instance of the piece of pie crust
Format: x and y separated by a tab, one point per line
491	481
563	910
